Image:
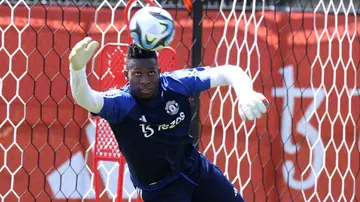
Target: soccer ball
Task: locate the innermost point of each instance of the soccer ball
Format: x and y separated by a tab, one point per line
152	28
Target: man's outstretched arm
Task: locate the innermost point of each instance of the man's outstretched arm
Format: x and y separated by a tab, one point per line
86	97
191	81
252	104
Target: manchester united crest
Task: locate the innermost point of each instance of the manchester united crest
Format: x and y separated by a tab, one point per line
172	107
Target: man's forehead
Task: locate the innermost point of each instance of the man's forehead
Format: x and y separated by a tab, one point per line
142	63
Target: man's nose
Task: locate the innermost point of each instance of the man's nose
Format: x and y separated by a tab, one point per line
145	80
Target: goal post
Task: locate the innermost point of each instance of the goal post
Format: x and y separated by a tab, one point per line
302	55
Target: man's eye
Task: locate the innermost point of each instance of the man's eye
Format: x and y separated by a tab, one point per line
137	73
152	73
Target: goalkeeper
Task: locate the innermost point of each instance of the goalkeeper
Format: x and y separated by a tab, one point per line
150	117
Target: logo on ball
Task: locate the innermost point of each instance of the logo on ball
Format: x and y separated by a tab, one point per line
172	107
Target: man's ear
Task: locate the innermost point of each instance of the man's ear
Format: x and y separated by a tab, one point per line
126	73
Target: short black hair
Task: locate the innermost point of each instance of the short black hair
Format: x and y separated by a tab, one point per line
135	52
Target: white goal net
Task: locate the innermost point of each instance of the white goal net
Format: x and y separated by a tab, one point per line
302	55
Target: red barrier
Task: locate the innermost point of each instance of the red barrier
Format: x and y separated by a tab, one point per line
286	57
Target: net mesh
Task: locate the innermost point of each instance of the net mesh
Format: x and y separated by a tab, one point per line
307	147
303	56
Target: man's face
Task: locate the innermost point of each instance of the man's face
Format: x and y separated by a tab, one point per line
143	76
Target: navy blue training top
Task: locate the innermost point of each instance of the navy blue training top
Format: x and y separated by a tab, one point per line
154	135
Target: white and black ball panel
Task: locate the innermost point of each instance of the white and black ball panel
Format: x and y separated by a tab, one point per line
152	28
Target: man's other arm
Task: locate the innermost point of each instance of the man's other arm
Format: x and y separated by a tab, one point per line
86	97
112	105
80	89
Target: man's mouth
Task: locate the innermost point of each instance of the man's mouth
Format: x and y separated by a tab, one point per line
145	90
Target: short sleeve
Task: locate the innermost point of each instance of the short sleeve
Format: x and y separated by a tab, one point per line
117	105
188	81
